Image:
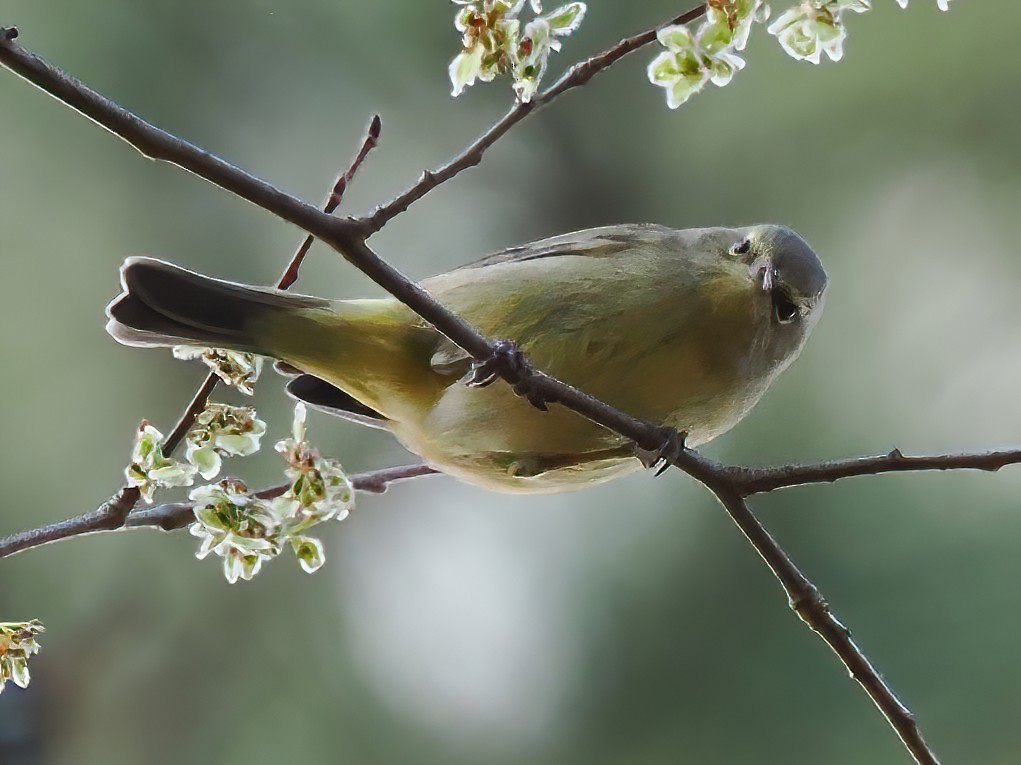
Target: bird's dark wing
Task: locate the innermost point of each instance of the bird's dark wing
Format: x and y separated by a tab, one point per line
328	398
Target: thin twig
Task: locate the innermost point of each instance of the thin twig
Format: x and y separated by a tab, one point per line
759	480
347	236
336	196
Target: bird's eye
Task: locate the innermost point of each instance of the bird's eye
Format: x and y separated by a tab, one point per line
783	307
741	248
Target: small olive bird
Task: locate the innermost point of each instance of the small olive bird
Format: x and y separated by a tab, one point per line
687	328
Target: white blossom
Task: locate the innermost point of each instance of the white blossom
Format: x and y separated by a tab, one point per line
494	43
490	33
679	69
729	22
309	552
237	369
319	487
149	469
221	430
538	41
709	54
236	526
246	530
17	643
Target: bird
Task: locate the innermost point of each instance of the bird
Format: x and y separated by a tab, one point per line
686	328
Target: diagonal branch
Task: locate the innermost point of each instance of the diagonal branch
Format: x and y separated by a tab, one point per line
808	603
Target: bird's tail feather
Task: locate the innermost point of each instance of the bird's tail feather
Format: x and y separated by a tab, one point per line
164	305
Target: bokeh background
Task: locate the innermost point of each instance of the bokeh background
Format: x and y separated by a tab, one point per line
629	623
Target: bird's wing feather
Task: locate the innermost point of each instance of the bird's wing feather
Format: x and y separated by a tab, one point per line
328	398
597	242
608	241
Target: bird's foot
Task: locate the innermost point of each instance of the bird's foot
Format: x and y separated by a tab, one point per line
671	447
511	364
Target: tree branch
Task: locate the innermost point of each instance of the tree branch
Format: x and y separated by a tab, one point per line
107	517
759	480
178	515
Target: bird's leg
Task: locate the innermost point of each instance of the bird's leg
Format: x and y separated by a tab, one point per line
671	447
511	364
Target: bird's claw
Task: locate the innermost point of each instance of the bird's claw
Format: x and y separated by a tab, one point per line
671	447
511	364
507	361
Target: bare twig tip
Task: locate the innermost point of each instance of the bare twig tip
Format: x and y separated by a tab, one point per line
9	33
375	127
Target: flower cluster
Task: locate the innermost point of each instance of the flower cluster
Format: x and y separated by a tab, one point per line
17	643
239	370
235	525
219	431
245	529
692	59
494	42
709	54
814	27
150	469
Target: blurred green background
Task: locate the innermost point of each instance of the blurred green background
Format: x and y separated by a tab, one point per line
629	623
